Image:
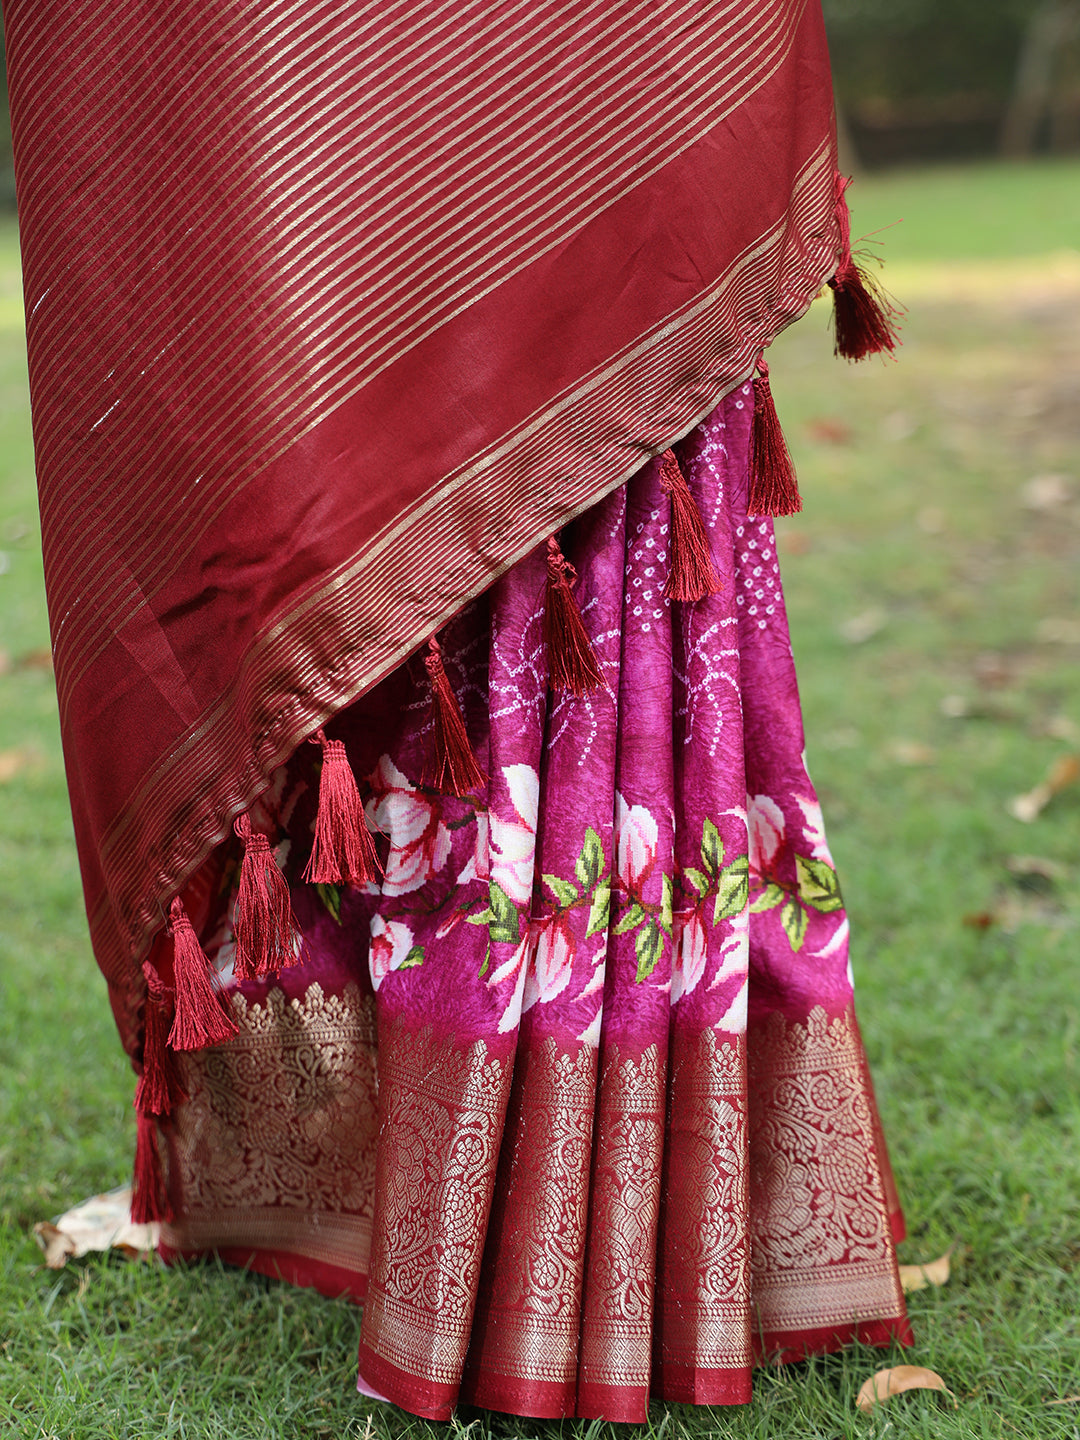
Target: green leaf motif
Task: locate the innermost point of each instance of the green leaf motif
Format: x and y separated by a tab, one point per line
330	895
590	862
481	917
631	920
504	928
819	886
487	959
667	904
600	909
795	921
732	889
769	898
697	879
563	890
712	848
413	958
648	947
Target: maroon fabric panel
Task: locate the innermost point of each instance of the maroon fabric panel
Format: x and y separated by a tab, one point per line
332	316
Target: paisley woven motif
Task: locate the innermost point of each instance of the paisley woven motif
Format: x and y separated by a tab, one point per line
275	1148
822	1249
441	1111
703	1280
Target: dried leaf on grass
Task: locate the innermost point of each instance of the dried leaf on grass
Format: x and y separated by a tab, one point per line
100	1223
1046	492
12	763
1060	727
910	752
895	1381
980	920
1036	872
934	1272
861	628
1064	772
1058	630
1065	1400
36	660
829	430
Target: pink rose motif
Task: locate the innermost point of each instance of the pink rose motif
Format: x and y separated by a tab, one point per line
636	838
553	960
814	828
765	821
477	867
419	841
512	846
733	1021
516	965
690	956
391	941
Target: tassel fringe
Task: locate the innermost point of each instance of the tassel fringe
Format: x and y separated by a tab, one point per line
265	933
343	849
774	489
692	574
201	1018
159	1090
571	660
865	319
149	1197
452	768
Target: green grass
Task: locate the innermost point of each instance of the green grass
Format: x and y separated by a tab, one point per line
917	517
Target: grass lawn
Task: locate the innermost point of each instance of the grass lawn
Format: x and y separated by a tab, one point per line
932	583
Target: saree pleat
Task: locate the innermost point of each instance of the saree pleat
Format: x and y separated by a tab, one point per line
625	1139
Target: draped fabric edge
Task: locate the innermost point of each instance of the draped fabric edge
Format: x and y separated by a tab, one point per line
523	488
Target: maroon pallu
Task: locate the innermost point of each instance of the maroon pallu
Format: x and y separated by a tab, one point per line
334	311
350	323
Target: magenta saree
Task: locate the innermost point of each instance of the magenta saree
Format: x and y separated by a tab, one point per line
623	1140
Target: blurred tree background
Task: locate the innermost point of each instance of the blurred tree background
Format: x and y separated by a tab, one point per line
955	79
920	80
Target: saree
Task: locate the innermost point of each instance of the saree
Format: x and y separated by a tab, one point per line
623	1138
335	314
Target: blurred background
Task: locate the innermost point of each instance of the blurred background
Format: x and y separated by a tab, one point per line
927	80
932	585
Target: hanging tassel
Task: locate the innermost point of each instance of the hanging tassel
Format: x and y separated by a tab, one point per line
343	849
774	490
201	1018
159	1090
149	1198
692	574
452	767
265	934
865	319
571	660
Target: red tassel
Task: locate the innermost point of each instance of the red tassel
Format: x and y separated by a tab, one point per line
149	1198
865	318
159	1090
201	1018
265	934
453	767
343	850
571	660
774	490
692	574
